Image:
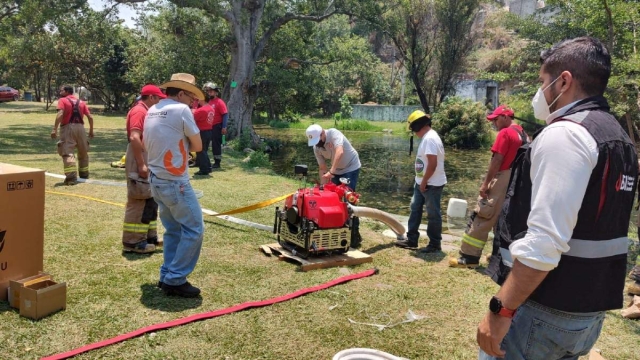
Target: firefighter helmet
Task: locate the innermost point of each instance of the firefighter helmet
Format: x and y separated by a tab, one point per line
211	85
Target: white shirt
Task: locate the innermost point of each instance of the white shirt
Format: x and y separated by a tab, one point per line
430	145
563	156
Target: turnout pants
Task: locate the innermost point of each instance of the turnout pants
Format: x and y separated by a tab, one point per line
485	215
73	136
141	212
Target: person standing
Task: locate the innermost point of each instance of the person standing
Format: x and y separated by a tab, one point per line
220	120
331	145
170	132
204	116
430	179
139	231
71	112
493	189
564	262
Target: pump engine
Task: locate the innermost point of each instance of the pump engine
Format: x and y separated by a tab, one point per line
316	220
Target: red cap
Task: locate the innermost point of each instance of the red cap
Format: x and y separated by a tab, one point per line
152	90
500	110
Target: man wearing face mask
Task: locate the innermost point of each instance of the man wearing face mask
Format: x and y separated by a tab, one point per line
567	213
494	187
332	145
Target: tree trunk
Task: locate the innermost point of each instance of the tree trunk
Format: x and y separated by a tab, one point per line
241	97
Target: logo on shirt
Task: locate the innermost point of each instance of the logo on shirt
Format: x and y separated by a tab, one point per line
168	160
625	183
210	117
419	166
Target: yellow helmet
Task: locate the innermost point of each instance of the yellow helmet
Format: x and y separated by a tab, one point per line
418	114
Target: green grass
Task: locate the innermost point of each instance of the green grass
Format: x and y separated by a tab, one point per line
110	293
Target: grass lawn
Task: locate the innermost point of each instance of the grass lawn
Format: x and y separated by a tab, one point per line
110	293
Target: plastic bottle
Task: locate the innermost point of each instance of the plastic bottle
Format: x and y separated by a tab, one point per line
224	139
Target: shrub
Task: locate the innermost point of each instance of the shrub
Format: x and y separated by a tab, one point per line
242	142
361	125
279	124
345	106
462	123
259	159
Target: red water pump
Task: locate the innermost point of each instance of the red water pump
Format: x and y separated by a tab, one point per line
317	219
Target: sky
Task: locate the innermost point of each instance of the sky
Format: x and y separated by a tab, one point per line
126	13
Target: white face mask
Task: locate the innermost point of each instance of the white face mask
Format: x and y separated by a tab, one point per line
540	107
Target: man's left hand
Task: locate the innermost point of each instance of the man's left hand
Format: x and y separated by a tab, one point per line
90	134
224	131
423	186
483	191
491	330
328	175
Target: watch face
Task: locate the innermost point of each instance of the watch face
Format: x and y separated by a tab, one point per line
495	305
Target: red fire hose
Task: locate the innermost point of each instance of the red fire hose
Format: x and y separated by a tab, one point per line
211	314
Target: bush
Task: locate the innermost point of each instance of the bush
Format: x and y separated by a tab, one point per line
242	142
259	159
361	125
279	124
462	123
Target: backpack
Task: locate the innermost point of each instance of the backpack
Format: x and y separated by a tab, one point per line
76	116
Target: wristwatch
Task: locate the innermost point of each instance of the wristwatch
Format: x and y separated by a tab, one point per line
495	306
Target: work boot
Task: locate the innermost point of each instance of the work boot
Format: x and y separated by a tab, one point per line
155	241
430	249
406	244
635	273
185	290
634	288
84	176
140	248
216	164
71	182
465	261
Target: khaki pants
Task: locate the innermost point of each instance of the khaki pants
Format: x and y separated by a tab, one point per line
73	136
485	215
141	212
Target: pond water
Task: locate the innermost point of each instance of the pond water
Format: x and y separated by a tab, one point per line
387	174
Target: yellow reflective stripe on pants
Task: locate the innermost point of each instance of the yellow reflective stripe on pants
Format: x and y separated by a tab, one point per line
153	225
69	169
473	241
84	168
135	228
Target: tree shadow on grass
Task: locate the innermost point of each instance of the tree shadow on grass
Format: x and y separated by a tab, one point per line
153	298
432	257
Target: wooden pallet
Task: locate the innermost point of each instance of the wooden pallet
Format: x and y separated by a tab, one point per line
351	257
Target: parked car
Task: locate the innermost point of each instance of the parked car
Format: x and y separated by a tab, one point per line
9	94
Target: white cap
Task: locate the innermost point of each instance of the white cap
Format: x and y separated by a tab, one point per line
313	134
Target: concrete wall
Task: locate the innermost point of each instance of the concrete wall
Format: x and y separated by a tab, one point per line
383	112
478	90
524	7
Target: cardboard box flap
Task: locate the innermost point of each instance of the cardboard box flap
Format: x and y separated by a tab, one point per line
16	169
15	286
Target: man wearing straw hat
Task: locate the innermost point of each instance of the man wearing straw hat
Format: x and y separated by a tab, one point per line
170	132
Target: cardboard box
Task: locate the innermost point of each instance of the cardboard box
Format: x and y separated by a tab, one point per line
21	223
42	298
15	286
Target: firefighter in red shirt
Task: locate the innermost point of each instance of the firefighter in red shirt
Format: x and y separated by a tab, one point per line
204	116
71	111
219	121
494	188
139	231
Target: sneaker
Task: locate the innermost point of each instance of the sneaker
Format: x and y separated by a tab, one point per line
185	290
160	284
634	288
140	248
155	241
465	261
406	244
200	173
429	250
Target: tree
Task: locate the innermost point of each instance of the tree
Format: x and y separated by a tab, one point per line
252	23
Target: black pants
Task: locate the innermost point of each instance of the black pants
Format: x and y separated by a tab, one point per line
217	141
202	157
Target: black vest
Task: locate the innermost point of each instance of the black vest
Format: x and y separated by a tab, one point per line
590	277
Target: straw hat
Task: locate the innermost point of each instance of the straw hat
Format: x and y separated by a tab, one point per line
186	82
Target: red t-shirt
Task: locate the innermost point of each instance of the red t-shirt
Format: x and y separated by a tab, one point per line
135	118
66	104
219	108
507	143
204	117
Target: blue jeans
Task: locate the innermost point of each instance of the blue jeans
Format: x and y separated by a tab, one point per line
542	333
430	198
181	217
351	175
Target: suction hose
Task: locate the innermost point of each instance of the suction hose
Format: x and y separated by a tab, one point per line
364	354
362	211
